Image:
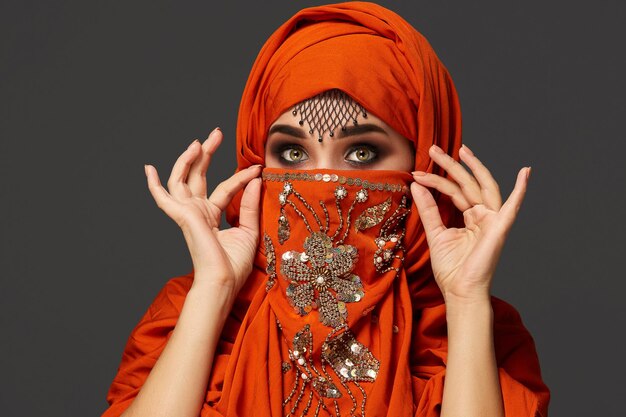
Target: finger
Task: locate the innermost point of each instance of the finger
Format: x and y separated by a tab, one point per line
511	206
458	173
224	192
443	185
249	210
177	183
162	198
196	179
428	211
489	189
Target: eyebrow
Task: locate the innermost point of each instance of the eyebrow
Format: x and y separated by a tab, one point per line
350	130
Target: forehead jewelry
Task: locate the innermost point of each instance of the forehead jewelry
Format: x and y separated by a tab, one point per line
327	111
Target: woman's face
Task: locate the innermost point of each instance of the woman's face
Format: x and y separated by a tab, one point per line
371	144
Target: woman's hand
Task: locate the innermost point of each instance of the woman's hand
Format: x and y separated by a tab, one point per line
464	260
221	258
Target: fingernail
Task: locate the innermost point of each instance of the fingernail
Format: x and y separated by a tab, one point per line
528	173
194	141
437	149
468	150
255	166
419	173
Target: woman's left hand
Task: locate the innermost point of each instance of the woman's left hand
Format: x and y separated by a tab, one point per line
464	260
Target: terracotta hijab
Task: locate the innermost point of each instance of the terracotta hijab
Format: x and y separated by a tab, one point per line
325	323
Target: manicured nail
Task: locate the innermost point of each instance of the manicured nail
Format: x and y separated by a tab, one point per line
419	173
255	166
194	141
528	173
437	149
468	150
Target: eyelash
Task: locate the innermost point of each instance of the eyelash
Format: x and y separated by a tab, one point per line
369	147
282	148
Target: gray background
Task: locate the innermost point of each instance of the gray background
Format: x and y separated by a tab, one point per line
93	90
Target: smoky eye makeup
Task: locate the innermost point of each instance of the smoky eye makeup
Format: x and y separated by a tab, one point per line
288	153
362	154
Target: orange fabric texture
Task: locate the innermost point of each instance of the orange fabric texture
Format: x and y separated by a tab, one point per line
397	315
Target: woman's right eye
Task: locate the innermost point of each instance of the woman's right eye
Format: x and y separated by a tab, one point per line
293	155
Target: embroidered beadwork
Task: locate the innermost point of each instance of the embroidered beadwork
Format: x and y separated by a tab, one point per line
326	388
341	179
320	277
286	367
327	111
389	241
350	359
284	230
321	268
372	215
305	371
270	256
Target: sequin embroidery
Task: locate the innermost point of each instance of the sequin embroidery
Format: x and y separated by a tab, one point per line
321	278
270	257
318	270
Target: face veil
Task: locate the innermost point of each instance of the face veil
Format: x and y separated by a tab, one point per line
333	243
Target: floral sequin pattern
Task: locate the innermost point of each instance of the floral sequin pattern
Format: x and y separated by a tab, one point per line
321	278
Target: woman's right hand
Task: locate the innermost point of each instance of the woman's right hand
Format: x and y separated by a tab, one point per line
221	258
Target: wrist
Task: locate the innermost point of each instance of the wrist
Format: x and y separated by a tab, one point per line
467	293
218	291
468	308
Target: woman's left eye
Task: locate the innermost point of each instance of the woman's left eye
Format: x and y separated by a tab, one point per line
293	155
361	154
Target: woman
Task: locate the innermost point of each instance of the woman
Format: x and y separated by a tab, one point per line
345	287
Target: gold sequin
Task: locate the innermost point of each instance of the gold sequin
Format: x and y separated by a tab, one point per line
317	271
321	281
350	359
373	215
270	257
373	186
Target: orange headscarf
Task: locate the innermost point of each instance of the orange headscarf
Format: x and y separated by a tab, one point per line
381	61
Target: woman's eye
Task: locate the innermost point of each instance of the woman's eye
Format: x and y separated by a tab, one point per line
361	154
293	155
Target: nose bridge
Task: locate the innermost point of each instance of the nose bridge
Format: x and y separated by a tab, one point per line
327	155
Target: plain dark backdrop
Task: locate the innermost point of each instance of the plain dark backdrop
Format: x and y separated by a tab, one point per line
93	90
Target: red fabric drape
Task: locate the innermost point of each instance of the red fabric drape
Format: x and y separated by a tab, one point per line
381	61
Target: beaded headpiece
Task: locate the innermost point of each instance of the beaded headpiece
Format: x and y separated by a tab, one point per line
327	111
